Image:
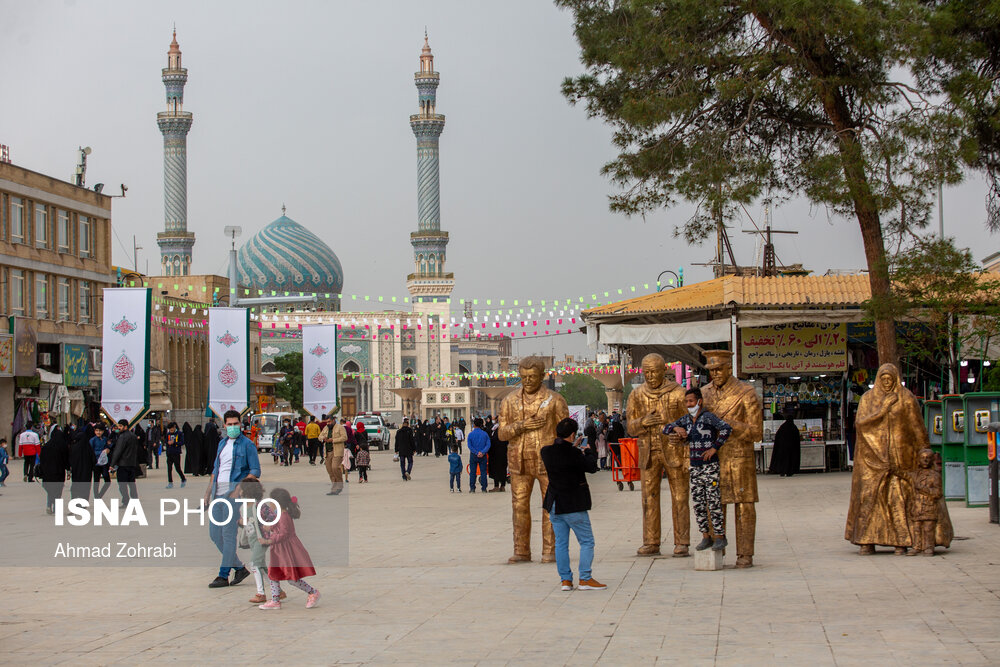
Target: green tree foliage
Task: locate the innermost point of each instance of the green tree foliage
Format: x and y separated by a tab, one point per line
290	388
942	287
581	389
991	379
964	62
723	102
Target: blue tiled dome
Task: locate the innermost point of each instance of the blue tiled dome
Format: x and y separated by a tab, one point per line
287	257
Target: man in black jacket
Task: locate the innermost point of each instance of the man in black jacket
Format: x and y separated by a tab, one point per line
567	501
125	461
404	449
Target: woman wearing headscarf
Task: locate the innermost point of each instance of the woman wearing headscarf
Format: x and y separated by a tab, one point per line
890	431
195	445
188	434
497	463
81	461
54	461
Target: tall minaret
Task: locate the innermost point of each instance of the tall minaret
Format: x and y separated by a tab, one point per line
429	285
175	240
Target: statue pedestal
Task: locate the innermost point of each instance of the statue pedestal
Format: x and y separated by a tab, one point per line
708	560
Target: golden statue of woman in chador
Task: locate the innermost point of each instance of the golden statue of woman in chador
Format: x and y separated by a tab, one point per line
890	432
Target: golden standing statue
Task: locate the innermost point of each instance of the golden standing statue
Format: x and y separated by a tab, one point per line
528	421
890	432
736	403
656	403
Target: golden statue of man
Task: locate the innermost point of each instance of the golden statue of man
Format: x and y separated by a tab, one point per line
737	404
656	403
528	419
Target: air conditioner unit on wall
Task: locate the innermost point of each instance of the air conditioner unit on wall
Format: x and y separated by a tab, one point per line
44	358
96	355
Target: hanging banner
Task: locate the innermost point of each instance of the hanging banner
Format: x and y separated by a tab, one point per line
25	347
76	365
228	360
794	348
319	369
6	355
125	371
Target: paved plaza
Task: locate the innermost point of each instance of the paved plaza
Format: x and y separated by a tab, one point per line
428	583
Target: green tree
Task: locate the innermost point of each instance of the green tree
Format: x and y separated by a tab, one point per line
723	102
991	379
290	388
944	288
582	389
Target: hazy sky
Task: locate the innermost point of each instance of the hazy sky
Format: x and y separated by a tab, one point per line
307	104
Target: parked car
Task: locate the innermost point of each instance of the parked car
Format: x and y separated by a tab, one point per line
376	428
270	424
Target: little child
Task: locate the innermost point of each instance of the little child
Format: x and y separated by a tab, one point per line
251	488
363	461
455	469
927	493
289	559
4	456
346	463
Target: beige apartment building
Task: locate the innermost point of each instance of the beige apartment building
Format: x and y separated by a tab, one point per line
55	260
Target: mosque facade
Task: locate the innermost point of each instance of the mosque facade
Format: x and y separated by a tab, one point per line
400	362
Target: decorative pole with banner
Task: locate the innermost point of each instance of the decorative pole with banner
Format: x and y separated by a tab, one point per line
319	369
228	360
125	372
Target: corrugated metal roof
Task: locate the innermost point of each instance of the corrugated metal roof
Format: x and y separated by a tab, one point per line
748	291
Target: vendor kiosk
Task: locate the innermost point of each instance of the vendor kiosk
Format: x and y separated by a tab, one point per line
981	408
953	446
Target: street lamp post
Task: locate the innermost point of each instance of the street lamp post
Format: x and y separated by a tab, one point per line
678	276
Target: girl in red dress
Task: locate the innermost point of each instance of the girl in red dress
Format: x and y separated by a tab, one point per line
289	559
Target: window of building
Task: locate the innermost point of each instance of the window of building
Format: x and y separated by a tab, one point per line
63	299
62	230
17	220
17	292
84	301
3	218
41	226
85	227
41	296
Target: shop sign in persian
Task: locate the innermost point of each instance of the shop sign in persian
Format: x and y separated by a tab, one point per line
76	365
25	347
6	355
794	348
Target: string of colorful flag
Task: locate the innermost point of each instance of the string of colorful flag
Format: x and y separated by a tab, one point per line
494	375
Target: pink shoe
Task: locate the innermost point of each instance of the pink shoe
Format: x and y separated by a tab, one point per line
270	605
313	600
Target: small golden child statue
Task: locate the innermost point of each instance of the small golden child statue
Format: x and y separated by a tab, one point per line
927	493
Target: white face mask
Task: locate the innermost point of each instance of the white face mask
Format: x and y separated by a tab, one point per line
693	411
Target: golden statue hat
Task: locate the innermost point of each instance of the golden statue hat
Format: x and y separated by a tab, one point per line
717	358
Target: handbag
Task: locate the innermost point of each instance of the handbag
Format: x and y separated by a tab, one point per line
244	538
395	458
102	460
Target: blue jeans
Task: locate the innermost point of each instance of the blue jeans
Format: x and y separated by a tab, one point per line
481	464
579	522
406	465
3	472
225	536
455	480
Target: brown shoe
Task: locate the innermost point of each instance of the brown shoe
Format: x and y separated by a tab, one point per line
648	550
867	549
681	550
548	558
744	561
591	585
258	599
567	585
519	558
899	551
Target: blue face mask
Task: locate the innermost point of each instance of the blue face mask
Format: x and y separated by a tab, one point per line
233	432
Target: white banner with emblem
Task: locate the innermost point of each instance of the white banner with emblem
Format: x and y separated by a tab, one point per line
125	369
228	359
319	368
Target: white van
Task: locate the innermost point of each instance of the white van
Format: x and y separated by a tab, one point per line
270	426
